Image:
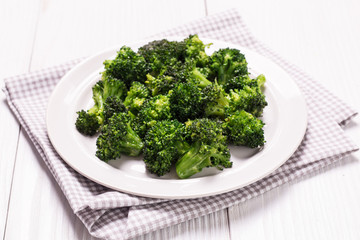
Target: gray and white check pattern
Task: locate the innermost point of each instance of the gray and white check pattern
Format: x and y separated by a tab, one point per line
114	215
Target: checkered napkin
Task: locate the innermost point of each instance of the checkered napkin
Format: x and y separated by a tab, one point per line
114	215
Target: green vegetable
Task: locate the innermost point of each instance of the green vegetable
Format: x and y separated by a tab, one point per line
228	63
208	148
176	105
164	144
154	110
89	122
127	66
136	97
186	102
117	137
244	129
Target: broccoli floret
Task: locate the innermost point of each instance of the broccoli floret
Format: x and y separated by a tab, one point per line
112	105
160	54
128	66
198	76
195	51
186	102
136	97
178	71
155	109
208	148
85	122
216	101
227	63
242	128
164	144
117	137
160	84
250	99
239	82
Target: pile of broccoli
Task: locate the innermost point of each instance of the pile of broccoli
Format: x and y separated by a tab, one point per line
176	105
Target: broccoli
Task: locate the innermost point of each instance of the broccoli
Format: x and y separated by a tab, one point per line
113	105
186	102
216	101
177	105
227	63
242	128
89	122
197	75
164	144
239	82
195	51
136	97
160	84
128	66
117	137
208	148
250	99
160	54
155	109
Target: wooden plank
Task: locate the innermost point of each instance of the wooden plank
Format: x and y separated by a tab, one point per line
213	227
17	25
37	206
323	41
67	30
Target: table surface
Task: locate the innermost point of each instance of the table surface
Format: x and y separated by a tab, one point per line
321	37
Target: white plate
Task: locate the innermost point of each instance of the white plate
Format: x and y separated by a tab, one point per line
285	118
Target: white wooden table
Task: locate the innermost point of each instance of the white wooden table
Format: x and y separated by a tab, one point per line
322	37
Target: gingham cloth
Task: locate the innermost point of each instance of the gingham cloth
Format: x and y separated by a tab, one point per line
114	215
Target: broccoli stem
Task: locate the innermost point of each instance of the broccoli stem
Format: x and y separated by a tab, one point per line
192	162
132	144
218	110
198	157
215	111
203	81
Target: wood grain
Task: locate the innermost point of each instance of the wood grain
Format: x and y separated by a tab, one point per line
321	37
17	27
323	41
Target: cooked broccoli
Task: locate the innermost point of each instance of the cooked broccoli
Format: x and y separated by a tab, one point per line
154	110
128	66
89	122
208	148
198	76
242	128
186	102
136	97
227	63
216	103
160	84
250	99
195	50
162	53
113	105
177	105
117	137
239	82
164	144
